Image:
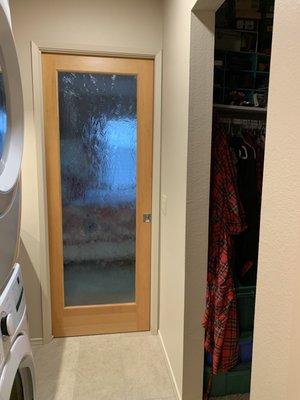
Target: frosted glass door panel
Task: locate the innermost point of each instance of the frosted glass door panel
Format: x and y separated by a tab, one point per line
98	140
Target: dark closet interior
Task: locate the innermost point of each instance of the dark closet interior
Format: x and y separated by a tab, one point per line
243	40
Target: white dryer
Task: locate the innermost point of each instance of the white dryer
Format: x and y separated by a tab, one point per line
16	362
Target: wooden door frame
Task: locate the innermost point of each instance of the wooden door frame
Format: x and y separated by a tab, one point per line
36	56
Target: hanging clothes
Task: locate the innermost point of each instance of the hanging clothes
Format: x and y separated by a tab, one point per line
249	182
256	139
259	144
227	219
246	244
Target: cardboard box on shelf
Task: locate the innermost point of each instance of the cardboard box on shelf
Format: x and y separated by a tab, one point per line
248	9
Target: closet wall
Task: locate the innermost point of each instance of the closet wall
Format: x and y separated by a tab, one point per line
184	222
277	324
177	14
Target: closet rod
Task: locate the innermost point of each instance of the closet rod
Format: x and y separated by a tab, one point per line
251	123
240	111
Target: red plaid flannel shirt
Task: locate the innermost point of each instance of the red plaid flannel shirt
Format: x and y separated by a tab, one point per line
226	220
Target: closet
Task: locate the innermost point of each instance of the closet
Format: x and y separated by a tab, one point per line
243	39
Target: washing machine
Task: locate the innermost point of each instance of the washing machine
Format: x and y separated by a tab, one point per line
16	361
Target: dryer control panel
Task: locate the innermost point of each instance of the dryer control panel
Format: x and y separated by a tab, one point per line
12	309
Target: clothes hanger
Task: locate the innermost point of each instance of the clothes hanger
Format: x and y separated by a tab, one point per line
248	144
245	156
242	149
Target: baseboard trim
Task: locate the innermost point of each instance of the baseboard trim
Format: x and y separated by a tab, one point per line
36	341
171	373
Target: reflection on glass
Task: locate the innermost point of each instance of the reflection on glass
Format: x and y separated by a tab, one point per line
98	135
3	115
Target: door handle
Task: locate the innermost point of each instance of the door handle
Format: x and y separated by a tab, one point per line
147	218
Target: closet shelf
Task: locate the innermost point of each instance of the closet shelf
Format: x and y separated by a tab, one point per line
230	30
244	52
243	109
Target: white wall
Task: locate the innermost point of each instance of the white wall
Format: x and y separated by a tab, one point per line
135	24
197	203
186	130
174	161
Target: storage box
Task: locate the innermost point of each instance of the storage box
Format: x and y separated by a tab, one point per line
228	40
247	9
246	347
236	381
246	307
246	24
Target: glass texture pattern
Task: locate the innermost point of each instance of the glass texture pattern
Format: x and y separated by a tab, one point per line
98	138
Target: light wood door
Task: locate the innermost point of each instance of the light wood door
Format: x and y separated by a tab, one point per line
98	114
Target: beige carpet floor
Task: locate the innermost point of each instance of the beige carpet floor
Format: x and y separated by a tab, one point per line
105	367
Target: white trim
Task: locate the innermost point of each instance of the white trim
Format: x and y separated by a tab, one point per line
108	51
36	341
156	187
169	366
42	192
36	52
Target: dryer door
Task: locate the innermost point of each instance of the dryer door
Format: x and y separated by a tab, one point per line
17	381
17	392
22	388
11	144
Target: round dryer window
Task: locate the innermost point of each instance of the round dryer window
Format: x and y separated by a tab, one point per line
3	115
11	107
11	144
